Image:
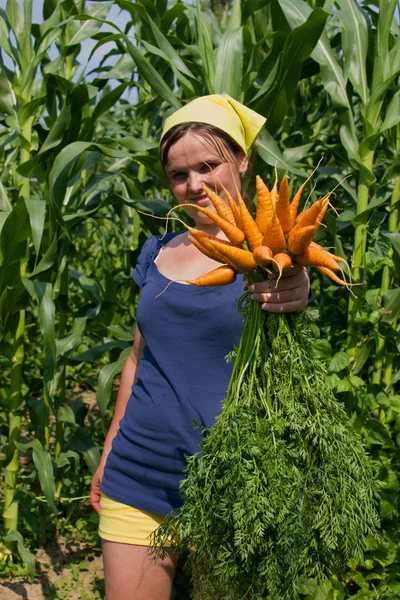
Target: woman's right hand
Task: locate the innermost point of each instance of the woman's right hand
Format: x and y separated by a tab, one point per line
95	491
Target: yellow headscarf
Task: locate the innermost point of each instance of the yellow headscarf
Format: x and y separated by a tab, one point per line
241	123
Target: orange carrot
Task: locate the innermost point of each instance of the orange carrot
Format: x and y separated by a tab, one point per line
208	250
313	257
233	233
322	212
281	262
309	216
332	276
222	208
337	258
274	237
202	236
251	230
294	205
299	239
262	255
274	191
265	207
234	207
296	200
283	206
219	276
241	259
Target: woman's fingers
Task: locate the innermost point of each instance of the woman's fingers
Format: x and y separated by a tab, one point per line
95	493
289	294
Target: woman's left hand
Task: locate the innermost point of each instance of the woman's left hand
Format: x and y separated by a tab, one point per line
290	294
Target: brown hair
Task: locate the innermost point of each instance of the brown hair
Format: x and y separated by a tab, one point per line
226	147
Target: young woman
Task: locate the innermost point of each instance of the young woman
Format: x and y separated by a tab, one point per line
176	373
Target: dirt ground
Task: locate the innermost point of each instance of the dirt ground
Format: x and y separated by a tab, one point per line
66	572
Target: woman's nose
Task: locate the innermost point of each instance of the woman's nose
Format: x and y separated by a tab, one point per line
195	180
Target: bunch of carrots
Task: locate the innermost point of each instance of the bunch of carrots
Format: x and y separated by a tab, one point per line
274	239
282	489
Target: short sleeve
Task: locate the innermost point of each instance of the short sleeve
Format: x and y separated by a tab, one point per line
139	273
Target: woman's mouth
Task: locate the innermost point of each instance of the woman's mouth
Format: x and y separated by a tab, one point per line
201	201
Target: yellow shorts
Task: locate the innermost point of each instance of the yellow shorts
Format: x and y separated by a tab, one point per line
125	524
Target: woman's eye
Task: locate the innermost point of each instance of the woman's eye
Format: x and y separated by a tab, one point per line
208	167
179	176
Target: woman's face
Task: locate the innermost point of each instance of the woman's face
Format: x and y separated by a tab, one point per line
192	161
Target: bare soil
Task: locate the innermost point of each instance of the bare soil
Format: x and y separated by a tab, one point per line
67	571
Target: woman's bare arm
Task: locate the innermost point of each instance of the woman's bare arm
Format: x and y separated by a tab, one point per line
128	377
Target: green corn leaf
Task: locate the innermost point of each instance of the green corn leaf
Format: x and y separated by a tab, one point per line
27	557
122	69
93	354
59	174
37	213
91	287
52	140
5	204
15	18
355	46
152	165
374	106
120	333
63	459
376	202
106	379
169	51
7	97
298	47
206	50
79	30
394	58
15	234
170	15
269	151
43	294
73	339
30	109
4	39
249	7
235	20
21	23
382	70
92	458
257	102
391	304
42	461
108	101
151	76
47	260
51	15
3	217
57	130
394	238
65	414
133	144
229	64
49	37
296	12
297	153
186	84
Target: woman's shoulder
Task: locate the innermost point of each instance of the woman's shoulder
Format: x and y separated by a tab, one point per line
153	244
149	251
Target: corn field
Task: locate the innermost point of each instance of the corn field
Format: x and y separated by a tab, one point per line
79	169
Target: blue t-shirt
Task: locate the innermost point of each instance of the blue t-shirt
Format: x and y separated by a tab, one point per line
182	378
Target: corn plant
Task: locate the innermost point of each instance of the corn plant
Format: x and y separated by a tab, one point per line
59	161
368	69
